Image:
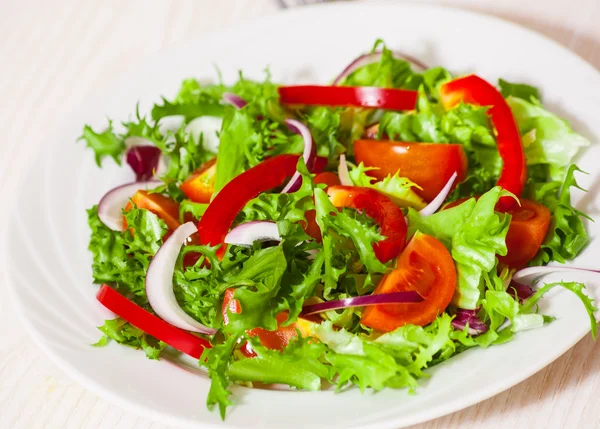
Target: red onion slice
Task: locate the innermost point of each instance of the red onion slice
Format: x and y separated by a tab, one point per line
437	202
531	273
523	291
143	160
308	155
343	173
373	57
363	301
249	232
110	207
469	317
235	100
159	282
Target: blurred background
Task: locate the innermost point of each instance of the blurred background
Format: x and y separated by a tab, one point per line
55	52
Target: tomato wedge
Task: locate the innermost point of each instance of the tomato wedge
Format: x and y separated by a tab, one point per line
425	266
429	165
382	209
349	96
275	340
164	207
528	228
200	186
177	338
223	209
474	90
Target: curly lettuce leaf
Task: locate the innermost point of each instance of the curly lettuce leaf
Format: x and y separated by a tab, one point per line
335	224
126	334
300	365
193	100
388	72
566	237
121	258
475	234
105	143
398	189
290	206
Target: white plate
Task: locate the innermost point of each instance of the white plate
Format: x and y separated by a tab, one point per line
48	266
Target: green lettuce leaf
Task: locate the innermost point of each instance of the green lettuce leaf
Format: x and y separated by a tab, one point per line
121	258
566	237
398	189
336	224
128	335
547	139
518	90
193	100
388	72
105	143
299	365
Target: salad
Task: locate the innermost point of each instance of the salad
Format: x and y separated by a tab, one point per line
355	233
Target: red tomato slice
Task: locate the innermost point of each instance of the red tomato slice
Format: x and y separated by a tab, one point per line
428	165
528	228
200	186
425	266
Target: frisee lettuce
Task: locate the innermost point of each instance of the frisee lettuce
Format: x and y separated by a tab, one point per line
399	189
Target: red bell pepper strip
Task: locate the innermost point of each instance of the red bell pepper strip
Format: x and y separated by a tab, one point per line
383	210
151	324
474	90
349	96
223	209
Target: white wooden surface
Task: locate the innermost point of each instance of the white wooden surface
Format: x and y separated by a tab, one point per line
52	53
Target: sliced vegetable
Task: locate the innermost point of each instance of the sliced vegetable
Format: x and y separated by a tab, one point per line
349	96
221	213
343	173
474	90
470	320
327	178
159	282
428	165
200	186
112	204
438	201
363	301
531	273
143	160
235	100
374	57
528	228
309	154
247	233
382	209
426	267
149	323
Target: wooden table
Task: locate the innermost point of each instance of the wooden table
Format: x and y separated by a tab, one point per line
52	53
